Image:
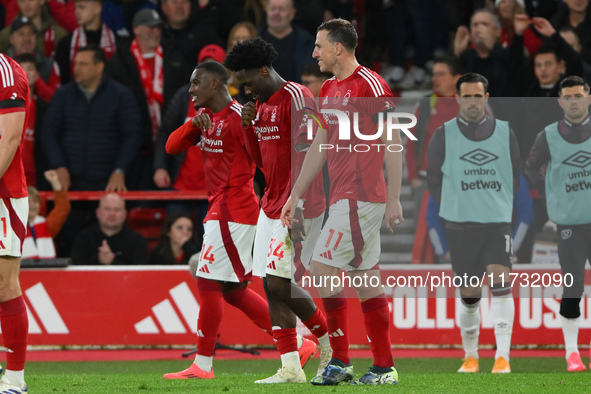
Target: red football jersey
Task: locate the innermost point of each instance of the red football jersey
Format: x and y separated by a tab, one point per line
274	126
356	175
14	97
229	170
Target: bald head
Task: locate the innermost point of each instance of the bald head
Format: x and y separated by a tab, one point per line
111	213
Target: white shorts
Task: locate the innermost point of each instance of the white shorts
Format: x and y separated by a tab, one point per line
272	248
14	213
274	251
350	237
304	250
226	251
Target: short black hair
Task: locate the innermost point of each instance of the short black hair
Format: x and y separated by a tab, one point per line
455	68
98	55
472	78
548	49
216	69
341	31
313	69
26	58
251	54
571	81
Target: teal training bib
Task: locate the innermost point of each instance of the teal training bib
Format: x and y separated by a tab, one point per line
477	176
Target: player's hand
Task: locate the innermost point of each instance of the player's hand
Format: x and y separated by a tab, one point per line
202	121
53	179
543	27
461	40
161	178
298	232
64	176
393	214
249	113
105	254
116	183
286	213
520	23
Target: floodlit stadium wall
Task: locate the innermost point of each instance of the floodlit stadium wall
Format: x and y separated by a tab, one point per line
157	306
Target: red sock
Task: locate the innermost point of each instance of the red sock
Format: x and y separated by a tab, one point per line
286	340
210	315
376	316
15	327
317	324
338	326
253	305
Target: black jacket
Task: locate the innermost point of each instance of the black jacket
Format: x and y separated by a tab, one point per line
93	138
129	246
122	67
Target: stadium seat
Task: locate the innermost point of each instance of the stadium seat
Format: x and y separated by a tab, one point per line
148	222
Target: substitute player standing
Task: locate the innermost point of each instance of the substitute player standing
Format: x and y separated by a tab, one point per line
359	199
272	135
14	209
473	172
565	148
225	262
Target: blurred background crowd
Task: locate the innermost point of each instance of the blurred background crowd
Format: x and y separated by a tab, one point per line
109	83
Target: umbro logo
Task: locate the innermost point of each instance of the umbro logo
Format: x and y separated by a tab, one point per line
479	157
581	159
326	255
166	318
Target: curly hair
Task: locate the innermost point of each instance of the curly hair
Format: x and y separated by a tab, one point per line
250	54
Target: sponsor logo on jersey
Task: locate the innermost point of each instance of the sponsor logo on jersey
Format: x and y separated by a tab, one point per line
479	157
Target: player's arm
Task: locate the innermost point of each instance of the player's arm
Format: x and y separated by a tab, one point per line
435	159
393	163
515	161
312	164
11	129
251	142
538	158
183	138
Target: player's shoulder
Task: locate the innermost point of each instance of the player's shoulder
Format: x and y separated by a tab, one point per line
371	83
327	85
13	80
297	94
235	109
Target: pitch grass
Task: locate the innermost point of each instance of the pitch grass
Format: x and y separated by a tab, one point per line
424	375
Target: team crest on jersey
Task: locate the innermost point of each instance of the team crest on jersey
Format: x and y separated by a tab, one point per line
274	114
566	233
219	129
346	98
337	97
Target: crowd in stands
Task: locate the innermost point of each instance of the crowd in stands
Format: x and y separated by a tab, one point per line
108	82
